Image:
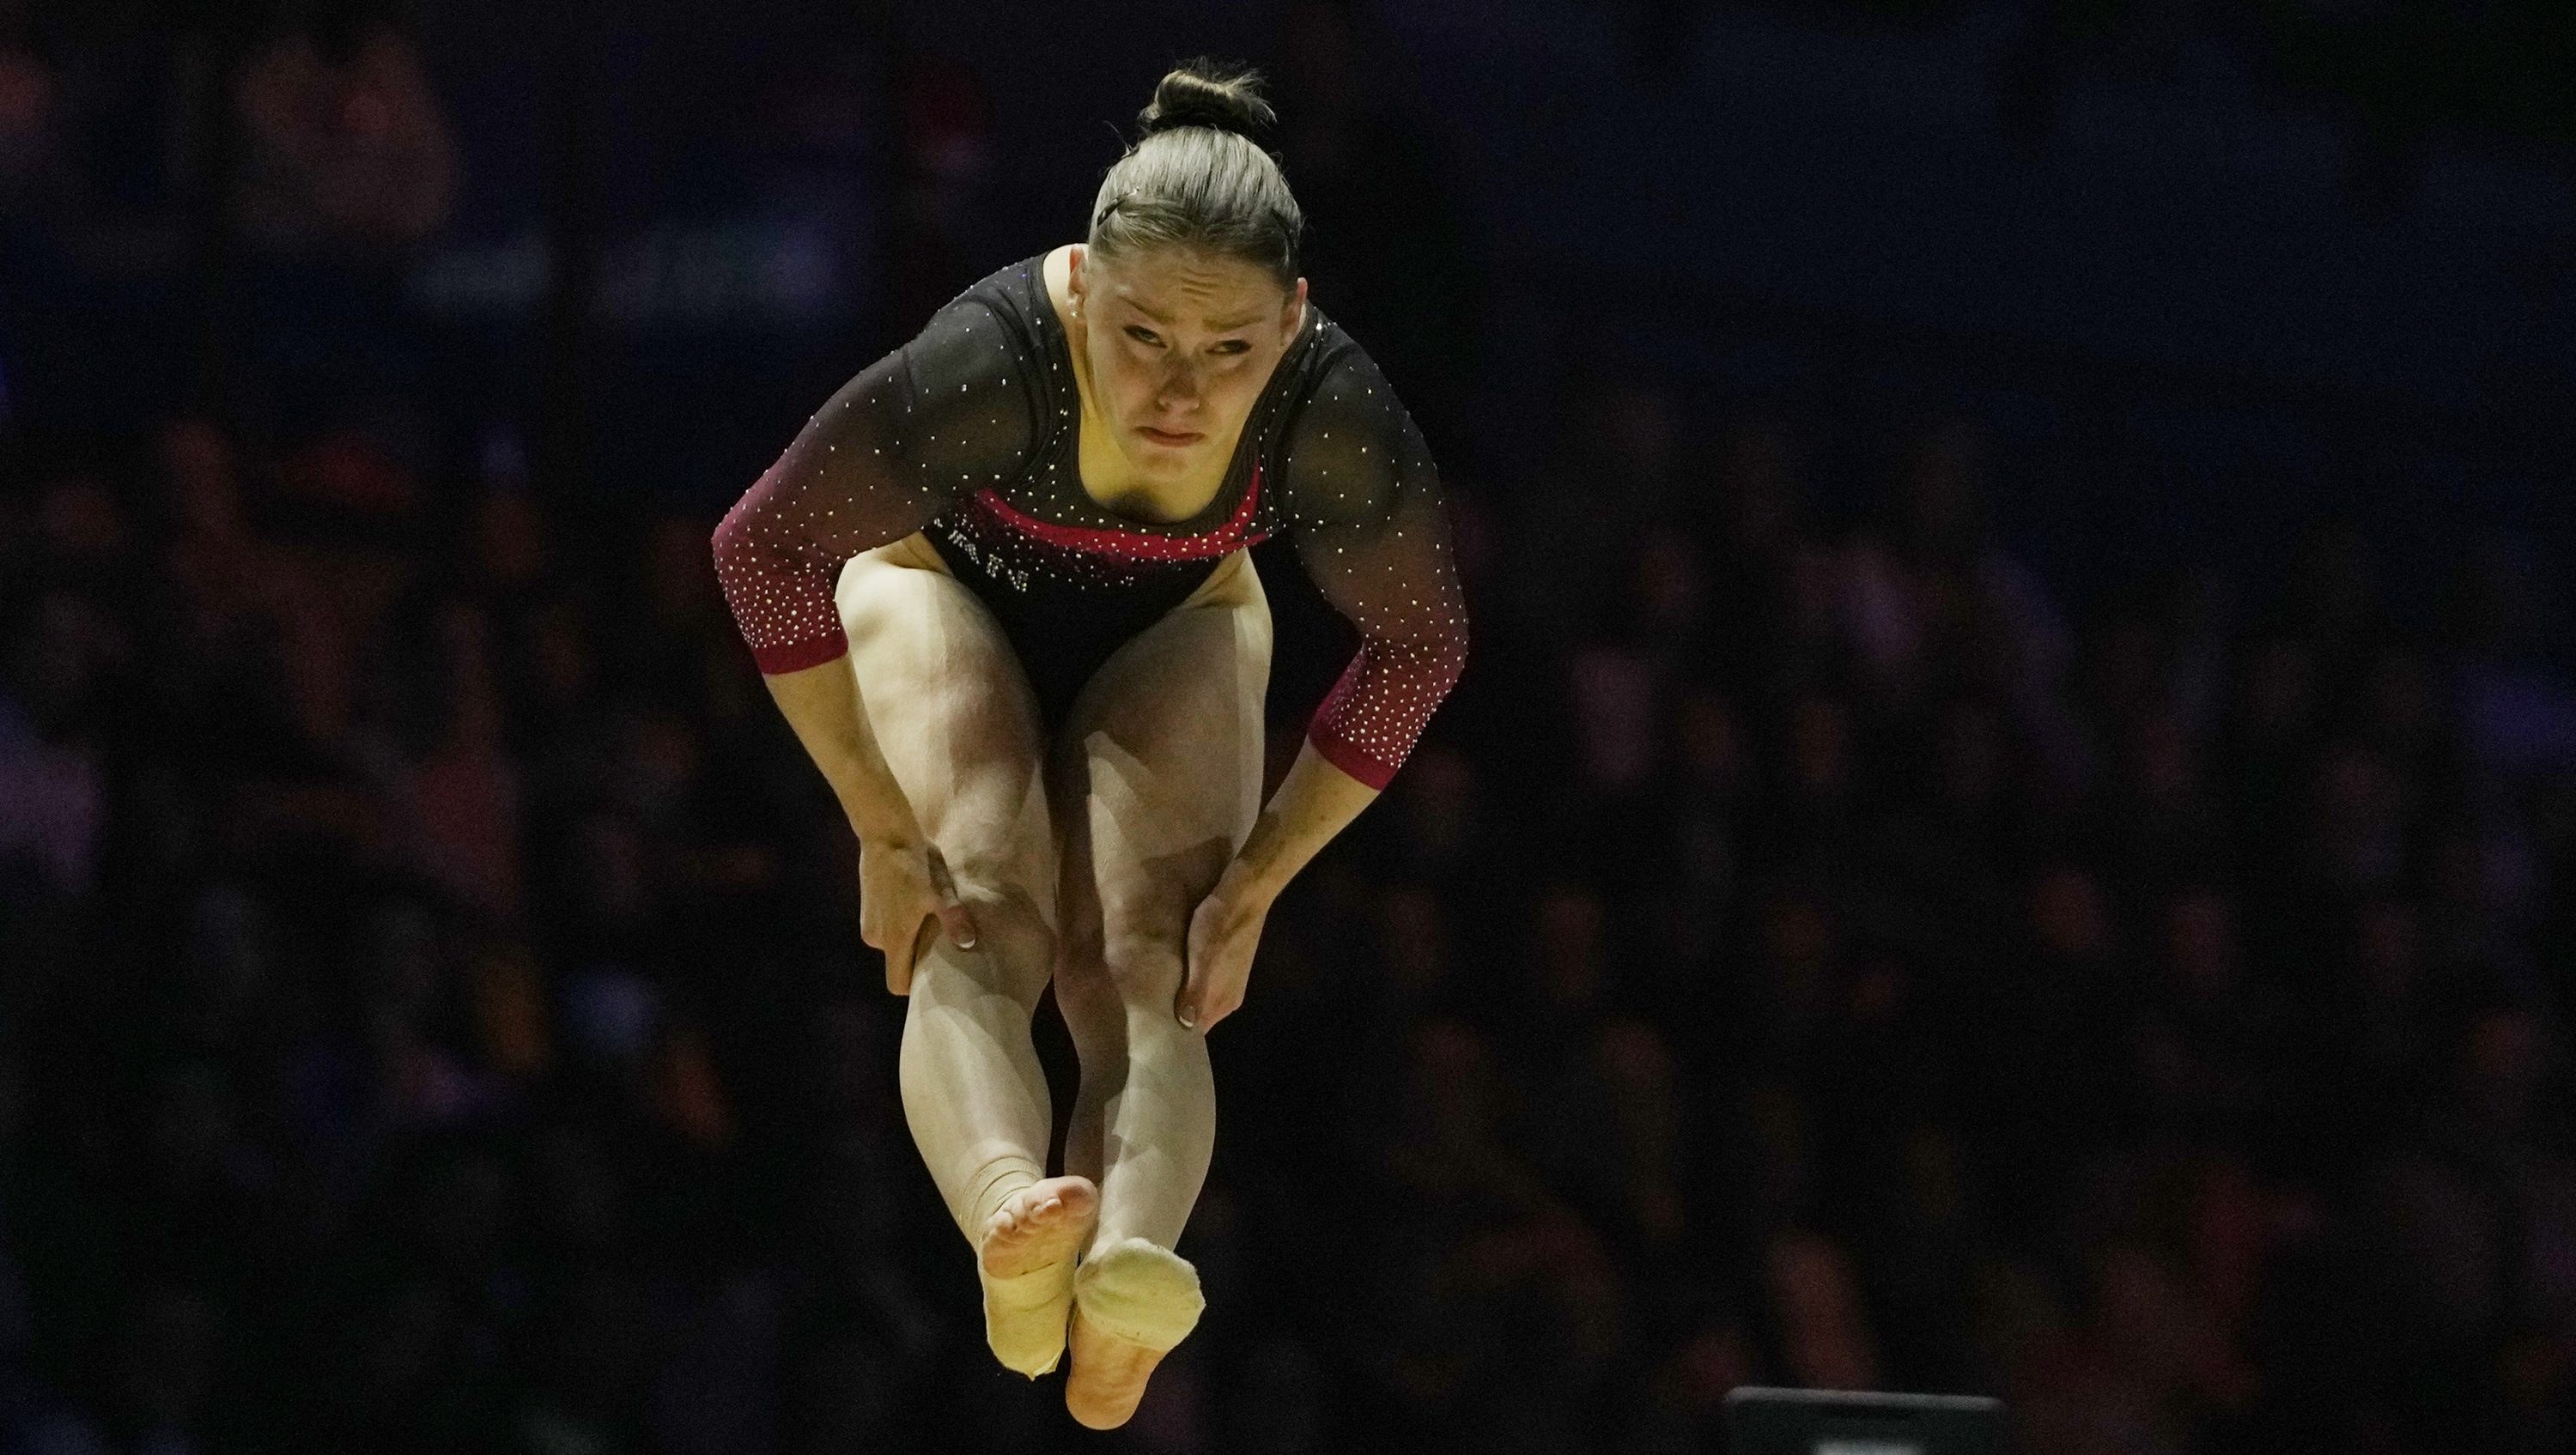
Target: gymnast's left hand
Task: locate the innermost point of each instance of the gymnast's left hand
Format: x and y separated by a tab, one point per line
1224	931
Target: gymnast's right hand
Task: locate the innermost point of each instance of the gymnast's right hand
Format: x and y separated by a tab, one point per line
905	897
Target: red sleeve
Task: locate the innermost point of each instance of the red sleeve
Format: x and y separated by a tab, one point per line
881	458
1365	507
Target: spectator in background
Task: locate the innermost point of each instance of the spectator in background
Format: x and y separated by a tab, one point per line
344	146
52	789
28	141
943	160
1493	1311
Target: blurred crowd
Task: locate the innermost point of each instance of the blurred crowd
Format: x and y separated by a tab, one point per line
433	1016
1811	947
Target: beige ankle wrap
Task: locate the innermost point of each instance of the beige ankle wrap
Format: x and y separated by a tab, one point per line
1017	1326
1139	1292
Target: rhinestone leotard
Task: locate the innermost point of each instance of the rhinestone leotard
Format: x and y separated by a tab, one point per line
967	434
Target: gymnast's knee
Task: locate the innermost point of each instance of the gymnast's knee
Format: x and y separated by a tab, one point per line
1146	968
1139	1292
1012	935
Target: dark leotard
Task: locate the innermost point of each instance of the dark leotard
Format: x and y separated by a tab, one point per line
968	435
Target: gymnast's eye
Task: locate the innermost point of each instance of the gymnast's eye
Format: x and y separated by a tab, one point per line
1231	346
1144	335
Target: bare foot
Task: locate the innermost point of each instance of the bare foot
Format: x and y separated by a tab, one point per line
1040	1224
1026	1264
1108	1377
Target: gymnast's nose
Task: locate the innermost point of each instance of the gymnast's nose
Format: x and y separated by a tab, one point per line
1178	390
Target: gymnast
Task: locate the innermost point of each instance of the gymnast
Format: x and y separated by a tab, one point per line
1001	587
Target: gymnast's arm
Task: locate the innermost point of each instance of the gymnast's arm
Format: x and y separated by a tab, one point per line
877	462
1366	513
1315	802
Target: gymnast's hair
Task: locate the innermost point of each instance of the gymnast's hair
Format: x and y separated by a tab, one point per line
1198	176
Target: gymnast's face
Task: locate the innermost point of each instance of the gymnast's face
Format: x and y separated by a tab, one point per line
1179	344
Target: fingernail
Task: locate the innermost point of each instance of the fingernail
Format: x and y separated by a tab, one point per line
1189	1021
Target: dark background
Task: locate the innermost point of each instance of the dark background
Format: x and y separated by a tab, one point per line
2010	826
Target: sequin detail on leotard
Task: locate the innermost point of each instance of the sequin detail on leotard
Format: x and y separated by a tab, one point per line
969	432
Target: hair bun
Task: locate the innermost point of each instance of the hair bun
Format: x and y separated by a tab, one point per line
1202	93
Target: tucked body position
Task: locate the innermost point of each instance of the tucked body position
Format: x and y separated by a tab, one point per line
1001	586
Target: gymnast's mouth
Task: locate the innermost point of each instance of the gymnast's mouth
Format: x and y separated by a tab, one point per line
1169	436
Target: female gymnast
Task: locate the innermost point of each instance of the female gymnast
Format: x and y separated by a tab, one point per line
1001	586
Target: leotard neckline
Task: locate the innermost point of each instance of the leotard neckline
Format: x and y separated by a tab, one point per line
1233	499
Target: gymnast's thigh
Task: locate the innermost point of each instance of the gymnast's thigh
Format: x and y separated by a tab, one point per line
953	713
1156	781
